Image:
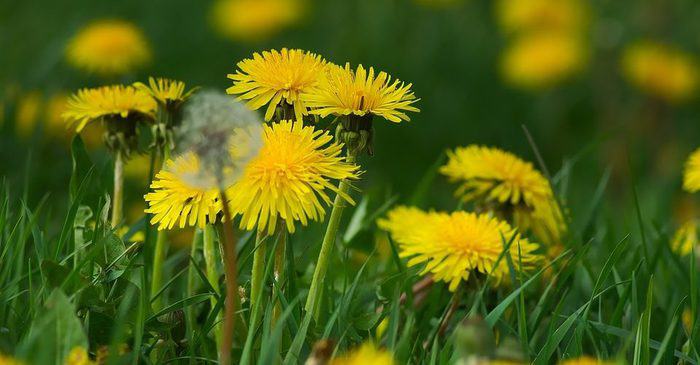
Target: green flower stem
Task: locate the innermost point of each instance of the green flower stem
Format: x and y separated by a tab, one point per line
118	196
159	254
231	277
210	260
191	283
257	277
313	301
280	248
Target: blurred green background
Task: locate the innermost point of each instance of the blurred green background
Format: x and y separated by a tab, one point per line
451	52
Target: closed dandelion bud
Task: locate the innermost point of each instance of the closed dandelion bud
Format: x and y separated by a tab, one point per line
474	338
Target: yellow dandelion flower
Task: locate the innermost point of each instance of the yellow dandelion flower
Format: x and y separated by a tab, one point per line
9	360
276	77
585	360
687	320
661	70
78	356
255	20
367	354
685	238
28	112
517	16
90	105
289	177
498	179
109	48
55	107
691	172
452	246
176	203
342	91
166	92
542	60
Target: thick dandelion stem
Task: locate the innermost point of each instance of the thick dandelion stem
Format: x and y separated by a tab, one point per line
210	260
280	248
191	283
159	254
257	277
313	300
118	196
231	272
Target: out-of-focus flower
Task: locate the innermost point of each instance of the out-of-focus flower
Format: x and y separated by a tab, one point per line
556	16
343	91
685	238
289	177
255	20
9	360
109	48
55	107
118	101
28	113
691	172
174	202
661	71
586	360
542	60
138	168
453	245
277	78
499	181
78	356
367	354
687	320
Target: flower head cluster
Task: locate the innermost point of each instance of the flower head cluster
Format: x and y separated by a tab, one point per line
660	70
109	48
368	353
289	177
453	245
108	102
343	91
255	20
174	202
498	180
168	93
691	173
277	78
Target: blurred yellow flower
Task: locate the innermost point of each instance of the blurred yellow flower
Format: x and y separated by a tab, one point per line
660	70
176	203
452	245
109	48
367	354
542	60
255	20
496	179
138	168
687	320
691	172
343	91
585	360
556	16
9	360
91	105
276	77
28	113
55	107
289	177
685	238
78	356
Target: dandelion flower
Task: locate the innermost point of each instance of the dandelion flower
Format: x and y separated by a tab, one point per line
78	356
109	48
166	92
560	16
343	91
289	177
254	20
174	202
9	360
368	353
107	103
585	360
497	179
277	77
452	246
660	70
685	238
542	60
29	108
691	173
